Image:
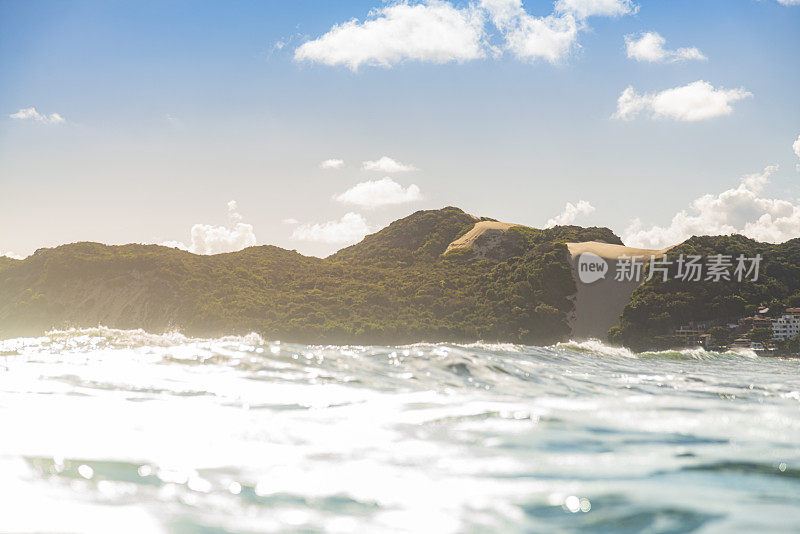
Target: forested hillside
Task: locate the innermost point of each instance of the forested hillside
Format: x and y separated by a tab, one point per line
395	286
658	307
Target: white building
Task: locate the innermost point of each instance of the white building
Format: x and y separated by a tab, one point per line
786	327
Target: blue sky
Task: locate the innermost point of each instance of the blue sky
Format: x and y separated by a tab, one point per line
172	109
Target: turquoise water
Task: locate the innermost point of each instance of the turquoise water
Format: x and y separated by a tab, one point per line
121	431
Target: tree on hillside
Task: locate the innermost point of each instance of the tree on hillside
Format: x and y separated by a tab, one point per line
761	335
794	300
790	346
721	336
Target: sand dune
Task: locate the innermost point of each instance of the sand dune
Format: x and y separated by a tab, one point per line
597	305
611	252
489	231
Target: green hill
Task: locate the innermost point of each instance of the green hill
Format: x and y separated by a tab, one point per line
6	262
395	286
420	237
657	308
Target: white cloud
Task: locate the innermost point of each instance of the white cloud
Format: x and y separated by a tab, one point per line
502	12
796	145
209	239
438	32
693	102
594	8
434	31
387	164
351	228
789	2
290	221
31	114
332	164
550	38
650	47
383	192
570	213
742	210
9	254
527	37
175	122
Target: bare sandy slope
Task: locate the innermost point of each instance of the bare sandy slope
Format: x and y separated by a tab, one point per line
490	231
611	252
598	305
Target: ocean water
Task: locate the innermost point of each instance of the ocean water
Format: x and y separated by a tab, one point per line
108	431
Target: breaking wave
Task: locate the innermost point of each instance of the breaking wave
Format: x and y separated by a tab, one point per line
126	431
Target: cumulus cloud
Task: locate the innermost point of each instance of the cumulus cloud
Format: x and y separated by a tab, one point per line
209	239
438	32
549	38
696	101
9	254
351	228
789	2
796	145
596	8
527	37
27	114
387	164
502	12
383	192
434	31
553	37
332	164
650	47
743	210
570	213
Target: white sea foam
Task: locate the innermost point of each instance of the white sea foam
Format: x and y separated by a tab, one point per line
597	347
126	431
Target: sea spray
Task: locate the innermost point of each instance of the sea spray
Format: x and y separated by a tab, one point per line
126	431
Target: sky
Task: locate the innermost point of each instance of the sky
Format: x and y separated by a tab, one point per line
213	126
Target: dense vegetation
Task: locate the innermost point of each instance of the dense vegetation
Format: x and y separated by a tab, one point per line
6	262
657	308
395	286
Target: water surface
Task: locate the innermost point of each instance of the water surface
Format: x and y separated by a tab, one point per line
122	431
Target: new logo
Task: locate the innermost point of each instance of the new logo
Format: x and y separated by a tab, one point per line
591	267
